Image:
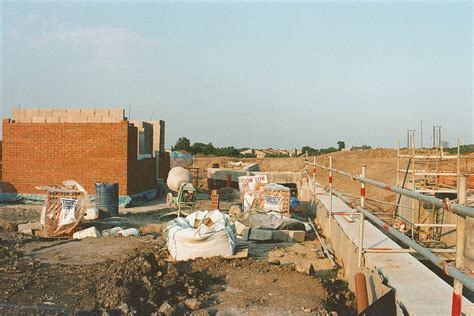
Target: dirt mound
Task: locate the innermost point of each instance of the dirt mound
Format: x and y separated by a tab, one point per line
143	283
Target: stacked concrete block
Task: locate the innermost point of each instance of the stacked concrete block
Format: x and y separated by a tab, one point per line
145	137
269	235
68	115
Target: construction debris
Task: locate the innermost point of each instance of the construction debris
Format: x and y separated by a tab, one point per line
29	228
111	231
88	232
128	232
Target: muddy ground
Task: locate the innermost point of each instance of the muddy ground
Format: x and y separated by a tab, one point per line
118	275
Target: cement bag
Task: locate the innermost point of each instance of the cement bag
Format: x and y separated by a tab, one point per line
178	176
202	234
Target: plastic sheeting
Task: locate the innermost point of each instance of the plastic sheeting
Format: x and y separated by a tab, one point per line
202	234
271	220
137	199
124	200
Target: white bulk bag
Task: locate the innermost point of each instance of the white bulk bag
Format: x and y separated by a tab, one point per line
186	242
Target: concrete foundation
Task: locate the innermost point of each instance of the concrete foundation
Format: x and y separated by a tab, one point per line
418	291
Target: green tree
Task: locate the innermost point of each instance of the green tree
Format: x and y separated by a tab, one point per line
201	148
182	144
310	150
341	145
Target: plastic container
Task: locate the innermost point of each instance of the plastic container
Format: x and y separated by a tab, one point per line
107	198
91	213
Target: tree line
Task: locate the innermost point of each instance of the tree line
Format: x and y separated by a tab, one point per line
184	143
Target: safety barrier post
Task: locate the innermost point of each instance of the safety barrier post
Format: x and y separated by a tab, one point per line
330	185
460	240
362	219
330	197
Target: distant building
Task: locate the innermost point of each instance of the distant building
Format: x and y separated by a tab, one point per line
359	148
262	153
248	152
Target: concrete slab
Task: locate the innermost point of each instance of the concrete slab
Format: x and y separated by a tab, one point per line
419	291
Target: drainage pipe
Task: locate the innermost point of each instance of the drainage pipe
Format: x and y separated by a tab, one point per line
361	293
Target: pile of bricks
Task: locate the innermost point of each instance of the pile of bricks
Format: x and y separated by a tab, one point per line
68	115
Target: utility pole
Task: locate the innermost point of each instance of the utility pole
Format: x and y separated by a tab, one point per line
421	134
411	138
437	140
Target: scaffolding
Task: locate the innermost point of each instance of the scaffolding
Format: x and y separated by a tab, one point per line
430	172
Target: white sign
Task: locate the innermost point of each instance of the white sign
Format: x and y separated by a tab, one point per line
272	203
248	184
67	211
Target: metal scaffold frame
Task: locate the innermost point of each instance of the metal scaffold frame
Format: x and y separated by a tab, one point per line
460	209
422	174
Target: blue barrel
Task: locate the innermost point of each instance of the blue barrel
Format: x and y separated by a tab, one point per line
107	199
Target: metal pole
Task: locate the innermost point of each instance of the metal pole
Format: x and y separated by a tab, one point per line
413	202
330	184
459	157
409	139
460	240
453	207
330	197
398	164
441	264
362	219
440	139
421	134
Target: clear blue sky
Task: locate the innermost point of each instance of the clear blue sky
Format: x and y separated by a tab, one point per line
249	74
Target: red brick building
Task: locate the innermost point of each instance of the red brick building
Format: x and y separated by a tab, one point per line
46	147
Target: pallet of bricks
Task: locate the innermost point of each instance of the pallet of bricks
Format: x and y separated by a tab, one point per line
63	209
274	197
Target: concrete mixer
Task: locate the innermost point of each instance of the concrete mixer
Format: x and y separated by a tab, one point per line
184	196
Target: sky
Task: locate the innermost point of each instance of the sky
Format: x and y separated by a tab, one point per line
249	74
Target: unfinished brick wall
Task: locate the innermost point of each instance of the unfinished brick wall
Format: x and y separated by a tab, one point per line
49	153
141	173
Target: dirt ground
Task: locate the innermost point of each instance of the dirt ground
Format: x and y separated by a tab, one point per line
131	275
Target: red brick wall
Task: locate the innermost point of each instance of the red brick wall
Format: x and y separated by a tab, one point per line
164	165
49	153
141	173
0	163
